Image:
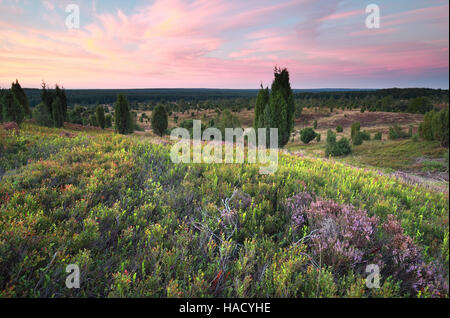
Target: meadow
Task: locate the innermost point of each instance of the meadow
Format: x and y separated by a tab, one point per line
139	225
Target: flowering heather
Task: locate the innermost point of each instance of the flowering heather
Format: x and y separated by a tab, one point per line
403	260
346	238
345	234
298	204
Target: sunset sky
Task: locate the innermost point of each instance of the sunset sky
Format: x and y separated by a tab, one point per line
224	43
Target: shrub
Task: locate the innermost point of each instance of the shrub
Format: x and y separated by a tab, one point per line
307	135
396	132
344	146
355	129
339	129
333	148
318	137
436	126
378	136
42	116
315	124
357	139
365	135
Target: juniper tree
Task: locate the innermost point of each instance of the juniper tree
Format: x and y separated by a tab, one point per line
100	116
261	101
122	116
12	109
19	93
159	120
57	112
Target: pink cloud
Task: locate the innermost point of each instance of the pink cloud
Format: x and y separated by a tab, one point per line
175	43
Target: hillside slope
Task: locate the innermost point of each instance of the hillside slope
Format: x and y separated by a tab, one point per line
139	225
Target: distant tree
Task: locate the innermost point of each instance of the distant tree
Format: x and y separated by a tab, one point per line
12	109
122	116
100	116
19	93
315	124
159	120
57	112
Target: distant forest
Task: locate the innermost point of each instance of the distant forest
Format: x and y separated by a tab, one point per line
108	96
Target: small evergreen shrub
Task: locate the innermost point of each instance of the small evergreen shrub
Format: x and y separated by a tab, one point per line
307	135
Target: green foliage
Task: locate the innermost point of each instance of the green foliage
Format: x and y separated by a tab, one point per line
396	132
315	124
261	101
365	135
108	121
318	137
57	112
378	136
43	118
436	126
123	123
140	226
100	116
19	93
419	105
159	120
12	109
307	135
48	97
357	139
227	120
355	129
336	148
339	129
277	108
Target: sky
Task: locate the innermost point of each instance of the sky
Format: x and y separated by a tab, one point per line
224	43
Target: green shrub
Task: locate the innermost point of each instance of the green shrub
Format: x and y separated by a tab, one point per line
358	139
396	132
307	135
378	136
42	116
315	124
339	148
365	135
339	129
344	146
436	126
318	137
355	129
